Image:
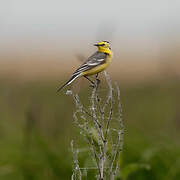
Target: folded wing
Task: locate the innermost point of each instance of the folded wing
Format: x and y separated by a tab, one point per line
96	59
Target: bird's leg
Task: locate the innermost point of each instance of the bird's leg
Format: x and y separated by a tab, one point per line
97	75
92	83
98	80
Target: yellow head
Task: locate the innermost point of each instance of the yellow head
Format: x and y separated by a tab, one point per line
103	46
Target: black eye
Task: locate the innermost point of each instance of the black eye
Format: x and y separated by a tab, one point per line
103	45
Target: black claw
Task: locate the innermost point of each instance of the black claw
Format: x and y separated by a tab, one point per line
98	81
92	85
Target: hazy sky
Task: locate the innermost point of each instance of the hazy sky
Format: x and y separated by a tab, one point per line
57	21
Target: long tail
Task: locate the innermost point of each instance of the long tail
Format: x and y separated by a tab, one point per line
69	82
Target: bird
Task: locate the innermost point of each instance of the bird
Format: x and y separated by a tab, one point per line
96	63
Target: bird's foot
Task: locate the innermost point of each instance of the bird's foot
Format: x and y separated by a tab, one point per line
98	81
93	85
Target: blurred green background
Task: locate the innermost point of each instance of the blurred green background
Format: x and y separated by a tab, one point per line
36	128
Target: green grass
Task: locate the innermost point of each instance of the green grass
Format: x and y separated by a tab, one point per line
36	128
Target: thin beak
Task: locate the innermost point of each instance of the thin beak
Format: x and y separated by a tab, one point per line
96	45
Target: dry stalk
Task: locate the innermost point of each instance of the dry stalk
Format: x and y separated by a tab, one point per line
102	130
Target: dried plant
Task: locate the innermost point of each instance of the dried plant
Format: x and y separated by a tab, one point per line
102	127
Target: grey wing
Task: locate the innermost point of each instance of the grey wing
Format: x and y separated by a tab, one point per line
95	60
